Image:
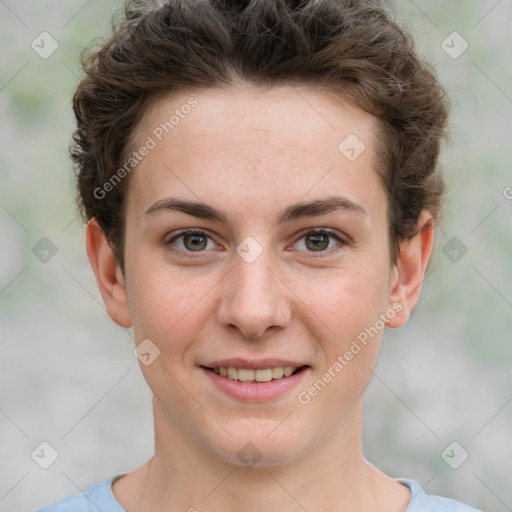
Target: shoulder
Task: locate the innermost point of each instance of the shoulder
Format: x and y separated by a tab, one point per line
423	502
97	497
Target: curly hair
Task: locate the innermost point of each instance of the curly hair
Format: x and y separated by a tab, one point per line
352	48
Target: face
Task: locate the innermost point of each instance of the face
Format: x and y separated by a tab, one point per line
286	264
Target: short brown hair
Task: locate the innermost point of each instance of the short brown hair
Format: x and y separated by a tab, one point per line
350	47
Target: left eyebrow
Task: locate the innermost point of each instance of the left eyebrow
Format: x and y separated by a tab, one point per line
313	208
320	207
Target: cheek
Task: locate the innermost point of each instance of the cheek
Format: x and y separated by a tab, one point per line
166	303
345	301
349	305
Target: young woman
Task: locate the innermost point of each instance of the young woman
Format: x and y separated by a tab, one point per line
261	189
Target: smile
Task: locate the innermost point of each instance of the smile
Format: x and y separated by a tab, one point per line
255	385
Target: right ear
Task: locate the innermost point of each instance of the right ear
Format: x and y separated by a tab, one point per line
108	274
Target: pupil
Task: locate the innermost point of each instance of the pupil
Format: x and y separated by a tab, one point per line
320	242
197	242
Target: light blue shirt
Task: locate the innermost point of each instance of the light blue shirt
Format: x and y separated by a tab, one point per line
100	497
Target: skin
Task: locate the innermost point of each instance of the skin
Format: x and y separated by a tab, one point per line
253	153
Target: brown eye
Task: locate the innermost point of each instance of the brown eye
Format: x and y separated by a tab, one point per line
195	242
317	242
188	241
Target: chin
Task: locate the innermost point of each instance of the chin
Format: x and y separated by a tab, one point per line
259	448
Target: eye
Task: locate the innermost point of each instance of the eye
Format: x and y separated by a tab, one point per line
192	240
319	240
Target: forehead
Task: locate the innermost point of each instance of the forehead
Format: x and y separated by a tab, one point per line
276	145
283	114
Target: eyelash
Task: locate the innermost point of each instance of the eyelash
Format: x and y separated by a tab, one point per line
313	254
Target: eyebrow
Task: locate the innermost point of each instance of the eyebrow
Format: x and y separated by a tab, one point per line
295	211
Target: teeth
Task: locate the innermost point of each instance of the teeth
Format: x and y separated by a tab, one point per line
245	374
288	370
263	375
248	375
278	372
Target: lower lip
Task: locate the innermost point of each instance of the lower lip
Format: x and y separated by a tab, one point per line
255	391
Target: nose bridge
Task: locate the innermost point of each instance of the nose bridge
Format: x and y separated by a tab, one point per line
253	279
253	299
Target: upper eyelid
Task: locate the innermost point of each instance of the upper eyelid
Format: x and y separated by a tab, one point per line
329	231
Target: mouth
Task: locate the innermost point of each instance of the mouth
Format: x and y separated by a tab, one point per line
253	376
266	381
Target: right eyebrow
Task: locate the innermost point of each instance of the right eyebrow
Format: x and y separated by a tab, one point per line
194	208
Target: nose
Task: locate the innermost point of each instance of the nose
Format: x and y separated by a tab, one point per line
254	299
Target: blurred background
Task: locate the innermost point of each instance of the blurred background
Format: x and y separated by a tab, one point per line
439	409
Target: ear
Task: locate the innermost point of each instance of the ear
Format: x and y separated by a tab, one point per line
108	274
409	271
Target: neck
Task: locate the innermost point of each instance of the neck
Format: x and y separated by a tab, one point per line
332	476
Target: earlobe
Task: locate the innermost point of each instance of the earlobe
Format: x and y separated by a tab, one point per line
108	274
409	271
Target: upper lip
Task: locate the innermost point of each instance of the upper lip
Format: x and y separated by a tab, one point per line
253	364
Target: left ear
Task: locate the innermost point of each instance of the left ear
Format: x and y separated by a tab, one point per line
409	270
